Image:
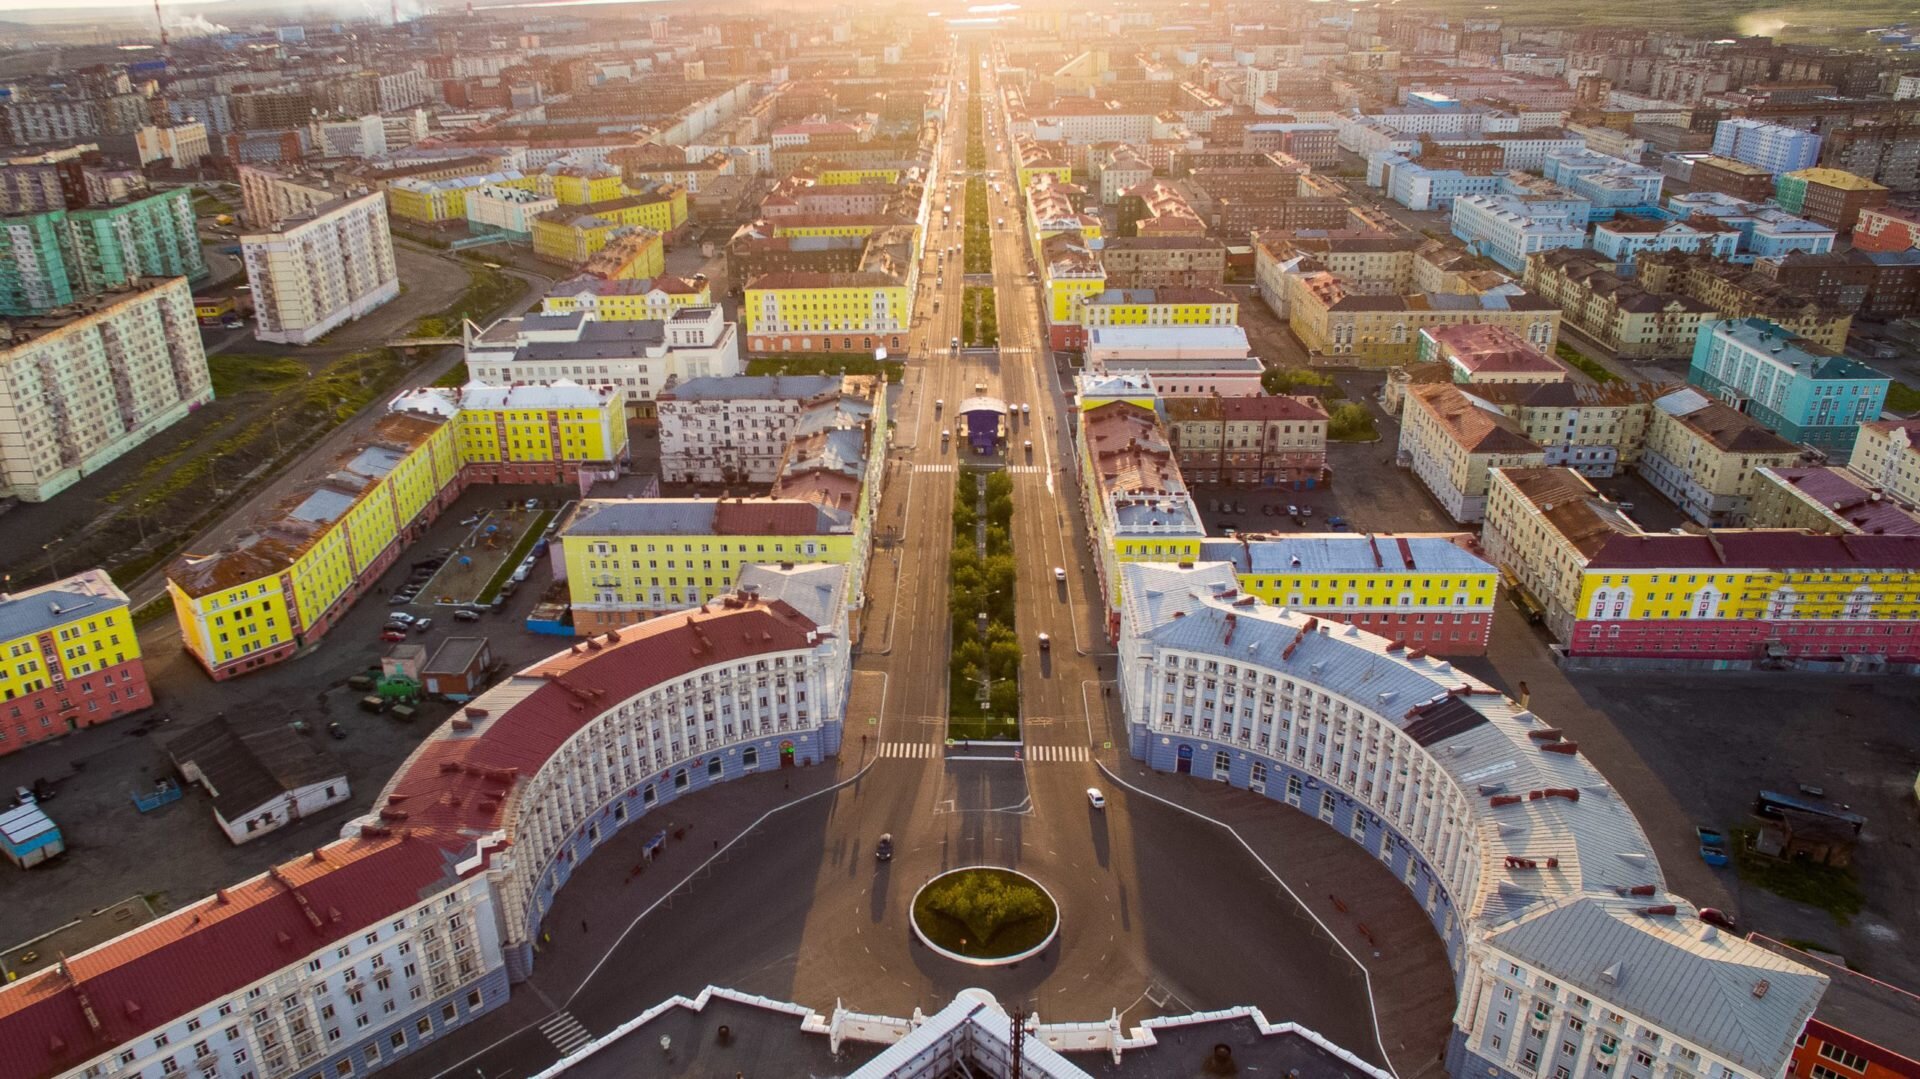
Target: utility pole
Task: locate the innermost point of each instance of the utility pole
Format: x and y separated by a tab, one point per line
1016	1039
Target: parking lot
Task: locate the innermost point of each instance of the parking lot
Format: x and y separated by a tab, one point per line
111	845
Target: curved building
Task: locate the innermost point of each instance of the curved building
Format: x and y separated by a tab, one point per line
415	921
1570	957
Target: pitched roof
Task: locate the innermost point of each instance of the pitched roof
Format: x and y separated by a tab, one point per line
1475	425
247	769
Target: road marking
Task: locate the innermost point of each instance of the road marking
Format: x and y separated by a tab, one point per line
935	468
922	750
1056	754
1027	470
565	1032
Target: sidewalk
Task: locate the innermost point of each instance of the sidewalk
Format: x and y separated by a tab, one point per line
1404	957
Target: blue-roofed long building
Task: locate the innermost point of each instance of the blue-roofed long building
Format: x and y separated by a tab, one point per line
1570	956
1799	393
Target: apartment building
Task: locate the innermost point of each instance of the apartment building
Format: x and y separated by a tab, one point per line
1623	239
51	259
1480	354
639	359
1427	591
1615	311
1510	229
510	210
1729	176
1735	596
1134	492
1802	394
72	659
737	429
818	312
1775	148
320	270
431	202
85	385
620	299
1736	292
1831	197
1702	454
268	196
1451	440
1887	453
1172	306
1887	228
1336	319
1164	261
1269	440
1827	499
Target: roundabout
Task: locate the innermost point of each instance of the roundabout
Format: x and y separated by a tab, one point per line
985	916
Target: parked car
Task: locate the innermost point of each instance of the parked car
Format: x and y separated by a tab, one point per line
421	625
401	617
1095	798
466	615
336	730
1026	409
394	635
532	504
399	598
395	627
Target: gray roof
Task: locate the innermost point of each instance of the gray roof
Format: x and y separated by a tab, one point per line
1739	1000
1566	915
249	769
1345	552
812	588
455	655
753	388
90	593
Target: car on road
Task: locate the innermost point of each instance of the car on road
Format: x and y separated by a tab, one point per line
939	403
393	635
956	342
979	387
1000	222
883	850
1046	643
1026	409
466	615
1059	573
1095	798
1028	446
946	435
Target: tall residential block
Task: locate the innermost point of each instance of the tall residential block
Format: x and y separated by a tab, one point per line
1773	147
52	258
78	390
72	659
320	269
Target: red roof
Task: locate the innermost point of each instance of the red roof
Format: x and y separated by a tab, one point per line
765	517
1777	549
447	796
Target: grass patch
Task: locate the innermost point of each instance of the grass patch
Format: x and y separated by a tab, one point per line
236	373
515	557
1902	398
983	584
1832	890
977	245
1300	382
487	291
455	377
985	913
1590	368
827	363
153	610
979	319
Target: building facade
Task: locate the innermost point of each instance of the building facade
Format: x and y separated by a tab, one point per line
84	388
318	271
1273	441
1451	441
1805	396
72	659
638	358
1702	455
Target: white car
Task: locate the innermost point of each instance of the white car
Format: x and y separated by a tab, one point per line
401	617
1026	409
945	435
1046	643
1059	573
1095	798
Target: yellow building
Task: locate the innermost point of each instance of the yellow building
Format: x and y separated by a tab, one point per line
1200	306
1728	597
822	312
1333	318
1701	454
433	201
624	299
627	559
1137	499
1071	273
287	581
69	658
634	254
837	175
856	225
583	185
570	237
1428	591
539	423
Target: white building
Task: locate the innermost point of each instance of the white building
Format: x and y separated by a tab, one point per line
1570	956
181	146
1508	229
364	136
736	429
268	197
320	270
508	209
258	781
1623	238
640	357
1774	147
78	390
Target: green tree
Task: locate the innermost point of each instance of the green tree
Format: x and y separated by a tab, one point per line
1351	423
1004	698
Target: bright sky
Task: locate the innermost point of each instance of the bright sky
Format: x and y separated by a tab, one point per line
45	5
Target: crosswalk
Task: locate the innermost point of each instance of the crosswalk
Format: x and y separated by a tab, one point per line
935	468
565	1032
1027	470
1040	754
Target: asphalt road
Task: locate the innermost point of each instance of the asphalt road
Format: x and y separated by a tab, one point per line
1159	914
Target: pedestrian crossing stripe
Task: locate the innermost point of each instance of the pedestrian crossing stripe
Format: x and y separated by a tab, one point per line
934	468
909	749
1055	754
1027	470
565	1032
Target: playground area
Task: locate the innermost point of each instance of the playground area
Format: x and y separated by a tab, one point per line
486	556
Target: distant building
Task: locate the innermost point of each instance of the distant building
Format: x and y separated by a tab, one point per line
1274	441
638	359
315	272
1831	197
53	258
1887	228
1773	147
1887	453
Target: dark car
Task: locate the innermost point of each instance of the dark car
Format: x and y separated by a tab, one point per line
465	615
883	850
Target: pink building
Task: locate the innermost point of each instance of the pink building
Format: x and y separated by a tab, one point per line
73	659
